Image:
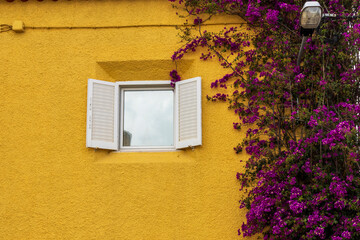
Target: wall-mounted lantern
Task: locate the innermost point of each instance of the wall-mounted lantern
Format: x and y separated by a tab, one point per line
310	18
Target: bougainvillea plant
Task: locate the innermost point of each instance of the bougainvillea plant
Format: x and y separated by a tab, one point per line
302	178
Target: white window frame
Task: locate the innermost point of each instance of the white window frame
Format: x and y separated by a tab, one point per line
143	86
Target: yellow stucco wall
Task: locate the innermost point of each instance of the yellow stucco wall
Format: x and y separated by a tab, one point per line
51	185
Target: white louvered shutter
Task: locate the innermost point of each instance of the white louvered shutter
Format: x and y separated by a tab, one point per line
188	113
102	129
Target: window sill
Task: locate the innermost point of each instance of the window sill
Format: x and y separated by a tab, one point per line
168	156
147	150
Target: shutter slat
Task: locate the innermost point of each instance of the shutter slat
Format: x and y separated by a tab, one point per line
104	128
103	118
190	112
103	111
186	126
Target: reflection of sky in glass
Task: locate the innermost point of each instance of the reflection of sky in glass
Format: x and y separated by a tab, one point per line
148	117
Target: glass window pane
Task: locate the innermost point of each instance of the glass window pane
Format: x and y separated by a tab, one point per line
148	118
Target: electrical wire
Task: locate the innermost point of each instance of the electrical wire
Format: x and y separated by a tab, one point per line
129	26
5	27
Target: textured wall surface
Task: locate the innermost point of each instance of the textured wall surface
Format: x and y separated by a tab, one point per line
51	185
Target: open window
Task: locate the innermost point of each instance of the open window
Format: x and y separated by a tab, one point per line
143	115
